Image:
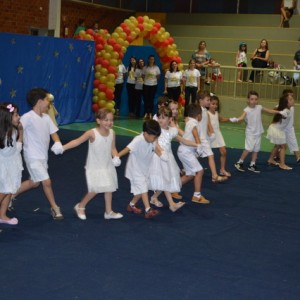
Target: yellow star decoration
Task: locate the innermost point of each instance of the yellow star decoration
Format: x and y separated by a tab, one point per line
71	47
13	93
20	69
56	54
78	59
65	85
83	85
90	48
38	57
13	41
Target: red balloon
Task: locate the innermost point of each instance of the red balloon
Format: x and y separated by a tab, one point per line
121	55
157	25
111	41
129	39
109	94
171	40
90	31
141	27
105	63
99	47
117	47
102	87
100	40
154	30
178	59
140	19
96	83
95	107
111	69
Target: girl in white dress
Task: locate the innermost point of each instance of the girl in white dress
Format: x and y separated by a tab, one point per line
218	141
10	158
101	175
165	173
276	131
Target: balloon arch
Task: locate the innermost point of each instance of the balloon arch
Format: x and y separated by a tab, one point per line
110	49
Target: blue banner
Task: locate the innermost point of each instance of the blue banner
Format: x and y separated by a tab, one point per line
65	67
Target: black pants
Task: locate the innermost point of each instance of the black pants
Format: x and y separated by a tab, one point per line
138	101
131	97
118	93
149	92
190	94
174	93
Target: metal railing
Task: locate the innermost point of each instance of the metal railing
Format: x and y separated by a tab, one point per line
269	83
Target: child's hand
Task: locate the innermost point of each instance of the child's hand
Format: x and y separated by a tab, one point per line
164	156
283	113
212	137
233	120
116	161
199	150
57	148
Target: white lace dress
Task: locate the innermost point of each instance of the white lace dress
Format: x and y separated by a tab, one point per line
218	142
165	175
11	167
101	175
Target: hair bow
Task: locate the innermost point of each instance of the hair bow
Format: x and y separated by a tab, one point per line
10	108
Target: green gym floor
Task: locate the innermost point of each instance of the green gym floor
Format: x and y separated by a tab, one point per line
234	134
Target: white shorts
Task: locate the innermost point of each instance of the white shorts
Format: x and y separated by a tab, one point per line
139	186
189	161
206	148
252	143
38	169
291	140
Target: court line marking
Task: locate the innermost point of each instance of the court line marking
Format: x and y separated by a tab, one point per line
126	129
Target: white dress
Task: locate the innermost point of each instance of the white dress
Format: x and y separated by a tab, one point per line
101	175
218	142
165	175
276	131
11	167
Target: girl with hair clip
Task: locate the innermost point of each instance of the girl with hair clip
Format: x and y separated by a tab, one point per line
218	141
241	60
10	158
276	131
130	86
164	173
173	81
101	175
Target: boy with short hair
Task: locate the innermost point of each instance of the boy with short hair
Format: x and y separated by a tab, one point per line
38	127
141	151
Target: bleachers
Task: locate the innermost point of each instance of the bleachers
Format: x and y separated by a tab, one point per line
223	33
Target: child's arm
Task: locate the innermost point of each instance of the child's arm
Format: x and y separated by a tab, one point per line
210	129
196	135
223	119
241	117
20	133
114	151
55	137
270	111
74	143
123	152
185	141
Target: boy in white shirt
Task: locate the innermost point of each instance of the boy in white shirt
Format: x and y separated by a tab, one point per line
38	127
141	151
254	130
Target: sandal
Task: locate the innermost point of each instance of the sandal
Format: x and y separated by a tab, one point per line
273	163
176	206
285	167
156	202
218	179
225	173
80	212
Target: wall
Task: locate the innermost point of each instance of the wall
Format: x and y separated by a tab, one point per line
17	16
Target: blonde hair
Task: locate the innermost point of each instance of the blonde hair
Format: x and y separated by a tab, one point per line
102	113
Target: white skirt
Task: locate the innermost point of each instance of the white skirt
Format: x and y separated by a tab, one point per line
275	135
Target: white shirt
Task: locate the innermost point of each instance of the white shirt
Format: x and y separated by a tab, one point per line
253	120
139	79
37	131
140	157
173	79
131	76
151	74
121	72
188	133
191	77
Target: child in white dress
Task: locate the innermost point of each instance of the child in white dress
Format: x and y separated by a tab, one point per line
10	159
165	175
276	131
101	175
241	60
187	155
218	142
141	150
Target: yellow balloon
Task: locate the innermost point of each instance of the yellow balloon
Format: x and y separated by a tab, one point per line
95	99
119	30
98	68
124	49
109	105
102	103
114	62
82	33
115	55
152	22
103	71
123	35
146	18
111	84
95	91
97	75
167	35
115	35
103	79
101	96
107	56
110	77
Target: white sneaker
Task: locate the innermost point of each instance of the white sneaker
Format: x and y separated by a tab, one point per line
80	212
112	215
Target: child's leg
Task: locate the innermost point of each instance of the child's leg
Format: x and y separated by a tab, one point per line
135	199
25	186
239	75
109	213
4	202
172	205
154	199
223	154
197	197
275	152
47	187
185	179
145	200
244	155
214	174
282	164
253	158
86	199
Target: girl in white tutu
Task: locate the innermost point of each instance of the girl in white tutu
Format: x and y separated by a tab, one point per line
218	141
165	173
276	131
10	158
100	171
